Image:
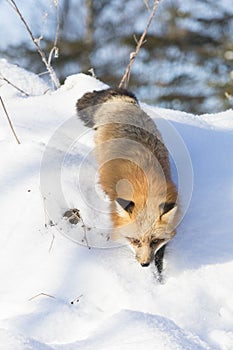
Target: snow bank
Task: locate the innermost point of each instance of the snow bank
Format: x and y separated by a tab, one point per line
57	294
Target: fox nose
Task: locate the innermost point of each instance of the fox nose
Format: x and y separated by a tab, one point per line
145	264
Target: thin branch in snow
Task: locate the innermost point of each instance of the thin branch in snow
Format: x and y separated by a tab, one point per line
55	51
45	213
13	85
41	294
74	216
133	55
51	244
36	41
9	120
85	233
76	300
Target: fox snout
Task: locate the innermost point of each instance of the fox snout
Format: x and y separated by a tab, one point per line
144	260
144	253
145	264
144	256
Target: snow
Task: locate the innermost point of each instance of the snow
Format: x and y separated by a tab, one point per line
55	293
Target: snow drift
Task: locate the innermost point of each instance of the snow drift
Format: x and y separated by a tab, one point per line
57	294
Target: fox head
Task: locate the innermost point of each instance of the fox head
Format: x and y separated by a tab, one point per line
145	240
143	206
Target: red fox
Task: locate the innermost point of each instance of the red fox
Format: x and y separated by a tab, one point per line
134	172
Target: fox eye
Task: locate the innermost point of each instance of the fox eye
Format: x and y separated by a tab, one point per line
154	242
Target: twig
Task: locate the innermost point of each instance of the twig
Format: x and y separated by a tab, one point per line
76	299
14	86
48	223
91	70
74	216
228	96
147	5
85	232
42	73
133	55
36	42
9	121
41	294
51	244
55	49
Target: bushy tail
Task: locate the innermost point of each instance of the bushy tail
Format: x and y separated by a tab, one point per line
89	103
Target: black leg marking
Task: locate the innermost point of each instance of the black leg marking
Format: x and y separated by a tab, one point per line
159	259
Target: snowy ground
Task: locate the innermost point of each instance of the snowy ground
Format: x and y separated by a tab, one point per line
57	294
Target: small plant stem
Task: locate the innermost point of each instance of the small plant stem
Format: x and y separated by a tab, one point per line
9	121
133	55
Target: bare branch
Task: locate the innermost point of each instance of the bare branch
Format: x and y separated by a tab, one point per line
14	86
77	300
51	244
85	232
9	121
56	3
74	216
133	55
228	95
36	42
55	50
91	70
41	294
147	5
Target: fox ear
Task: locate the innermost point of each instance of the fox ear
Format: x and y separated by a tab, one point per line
126	204
167	211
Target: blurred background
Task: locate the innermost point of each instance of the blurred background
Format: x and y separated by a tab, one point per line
186	62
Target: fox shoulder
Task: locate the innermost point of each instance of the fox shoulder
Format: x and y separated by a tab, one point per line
90	102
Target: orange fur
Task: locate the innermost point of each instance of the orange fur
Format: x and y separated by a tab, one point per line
133	168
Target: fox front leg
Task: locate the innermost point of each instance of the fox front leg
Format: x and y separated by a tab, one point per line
159	261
